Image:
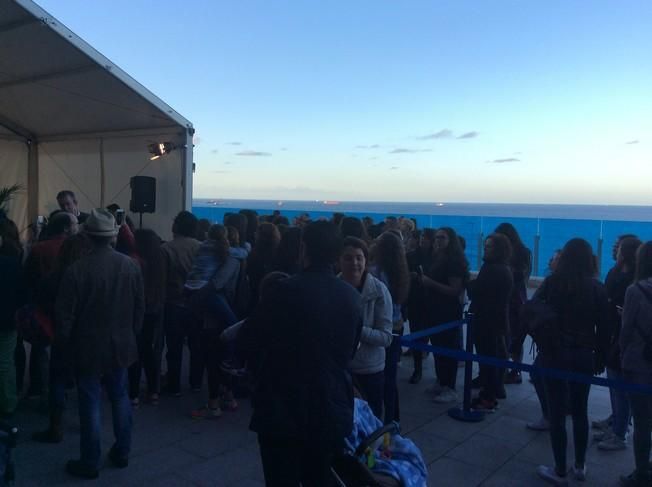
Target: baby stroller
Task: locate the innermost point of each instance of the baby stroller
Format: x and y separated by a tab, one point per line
349	471
376	455
8	436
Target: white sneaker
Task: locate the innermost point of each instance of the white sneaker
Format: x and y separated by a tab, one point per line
541	425
603	424
602	435
549	475
613	443
446	396
579	473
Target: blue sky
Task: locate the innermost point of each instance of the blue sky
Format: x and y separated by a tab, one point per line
487	101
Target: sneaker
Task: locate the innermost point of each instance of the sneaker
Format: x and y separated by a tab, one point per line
447	395
579	473
613	443
550	475
206	412
541	425
513	377
602	435
78	469
229	404
603	424
484	405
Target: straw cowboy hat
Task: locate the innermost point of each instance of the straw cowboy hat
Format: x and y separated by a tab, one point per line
100	223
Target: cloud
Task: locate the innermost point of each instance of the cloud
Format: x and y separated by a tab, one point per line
253	153
632	142
374	146
220	171
469	135
394	168
196	140
214	151
234	143
228	163
402	150
284	149
442	134
502	161
517	153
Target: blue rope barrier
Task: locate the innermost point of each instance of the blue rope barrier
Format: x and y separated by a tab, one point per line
410	341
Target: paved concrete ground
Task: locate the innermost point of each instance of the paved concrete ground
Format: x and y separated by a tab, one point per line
170	449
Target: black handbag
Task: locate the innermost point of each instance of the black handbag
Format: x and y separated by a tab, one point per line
541	322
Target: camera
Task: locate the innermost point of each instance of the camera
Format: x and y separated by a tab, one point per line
119	217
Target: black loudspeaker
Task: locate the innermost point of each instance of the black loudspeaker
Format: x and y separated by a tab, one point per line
143	194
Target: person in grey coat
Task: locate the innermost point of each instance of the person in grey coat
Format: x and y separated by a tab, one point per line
99	309
368	364
635	347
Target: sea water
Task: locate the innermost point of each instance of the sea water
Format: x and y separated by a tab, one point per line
543	228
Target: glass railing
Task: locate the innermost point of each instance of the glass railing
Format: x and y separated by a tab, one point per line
542	235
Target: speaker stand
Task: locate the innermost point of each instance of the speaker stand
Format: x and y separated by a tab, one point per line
140	225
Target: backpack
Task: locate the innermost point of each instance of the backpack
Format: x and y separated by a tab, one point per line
541	322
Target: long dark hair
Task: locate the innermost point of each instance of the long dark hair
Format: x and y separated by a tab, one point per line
576	264
521	259
268	239
218	234
452	255
644	261
627	248
288	251
389	256
148	245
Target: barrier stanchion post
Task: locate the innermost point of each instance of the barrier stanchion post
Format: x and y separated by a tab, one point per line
465	413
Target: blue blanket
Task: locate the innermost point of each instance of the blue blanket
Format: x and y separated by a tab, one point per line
401	459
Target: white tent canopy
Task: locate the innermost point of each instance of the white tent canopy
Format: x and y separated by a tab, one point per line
71	119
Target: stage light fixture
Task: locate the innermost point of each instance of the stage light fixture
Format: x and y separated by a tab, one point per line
160	149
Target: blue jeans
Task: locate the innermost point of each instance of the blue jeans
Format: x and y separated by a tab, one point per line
90	399
620	406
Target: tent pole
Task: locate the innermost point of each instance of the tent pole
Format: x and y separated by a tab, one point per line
32	180
102	175
186	171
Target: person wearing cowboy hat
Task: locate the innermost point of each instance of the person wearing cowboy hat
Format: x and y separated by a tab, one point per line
99	312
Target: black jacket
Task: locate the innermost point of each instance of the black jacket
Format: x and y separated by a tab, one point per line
490	295
583	312
303	335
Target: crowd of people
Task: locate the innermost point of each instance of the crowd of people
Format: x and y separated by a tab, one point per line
304	315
